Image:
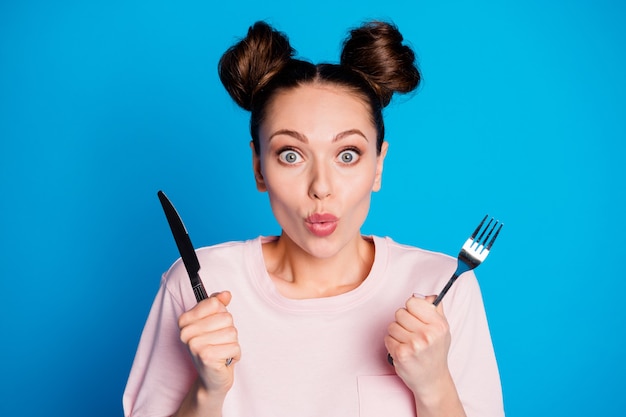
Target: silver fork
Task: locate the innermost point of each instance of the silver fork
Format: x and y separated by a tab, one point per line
473	252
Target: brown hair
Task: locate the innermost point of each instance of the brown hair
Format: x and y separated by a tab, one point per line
374	65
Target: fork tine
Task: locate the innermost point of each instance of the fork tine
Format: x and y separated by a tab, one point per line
480	238
488	246
486	239
479	227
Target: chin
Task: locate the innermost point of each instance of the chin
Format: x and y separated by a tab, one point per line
324	248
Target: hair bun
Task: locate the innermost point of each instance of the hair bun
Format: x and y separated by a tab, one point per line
247	66
376	51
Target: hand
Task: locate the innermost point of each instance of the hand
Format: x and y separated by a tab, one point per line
419	341
209	332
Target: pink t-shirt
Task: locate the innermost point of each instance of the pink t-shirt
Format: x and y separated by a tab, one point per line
314	357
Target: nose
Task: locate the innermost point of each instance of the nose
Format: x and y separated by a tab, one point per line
320	186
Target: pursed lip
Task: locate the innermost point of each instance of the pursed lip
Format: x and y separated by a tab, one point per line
321	224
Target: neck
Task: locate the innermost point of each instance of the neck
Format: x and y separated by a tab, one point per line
299	275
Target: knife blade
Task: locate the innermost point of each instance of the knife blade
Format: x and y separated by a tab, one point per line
185	247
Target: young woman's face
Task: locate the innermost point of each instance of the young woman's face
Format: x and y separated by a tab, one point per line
319	165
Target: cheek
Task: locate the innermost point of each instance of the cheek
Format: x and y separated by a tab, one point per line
282	191
364	181
362	187
357	190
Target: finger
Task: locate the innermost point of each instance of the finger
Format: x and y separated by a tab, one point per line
228	354
204	308
408	321
423	309
400	352
206	325
398	332
391	344
219	337
217	355
418	336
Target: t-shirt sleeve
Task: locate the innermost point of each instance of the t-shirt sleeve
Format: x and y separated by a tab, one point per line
472	359
162	372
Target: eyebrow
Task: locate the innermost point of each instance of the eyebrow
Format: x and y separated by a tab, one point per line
302	138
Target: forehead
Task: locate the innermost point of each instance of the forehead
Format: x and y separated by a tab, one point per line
311	105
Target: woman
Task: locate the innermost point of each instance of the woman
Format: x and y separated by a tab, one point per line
300	324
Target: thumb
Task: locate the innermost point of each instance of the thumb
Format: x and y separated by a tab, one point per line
431	298
224	297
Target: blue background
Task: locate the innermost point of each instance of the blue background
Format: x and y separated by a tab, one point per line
102	103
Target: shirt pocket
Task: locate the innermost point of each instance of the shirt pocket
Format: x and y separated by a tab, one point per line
384	395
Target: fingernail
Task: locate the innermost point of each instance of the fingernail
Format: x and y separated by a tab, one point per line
418	295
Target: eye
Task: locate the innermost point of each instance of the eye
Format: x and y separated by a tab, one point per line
289	156
349	156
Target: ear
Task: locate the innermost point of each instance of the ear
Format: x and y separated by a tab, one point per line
256	169
379	167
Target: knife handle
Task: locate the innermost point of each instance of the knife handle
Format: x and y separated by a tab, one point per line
200	292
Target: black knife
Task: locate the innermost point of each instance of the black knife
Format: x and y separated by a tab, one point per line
185	248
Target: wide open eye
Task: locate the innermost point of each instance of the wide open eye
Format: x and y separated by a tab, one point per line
349	156
289	156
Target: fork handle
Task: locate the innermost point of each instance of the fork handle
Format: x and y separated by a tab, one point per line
445	289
